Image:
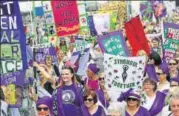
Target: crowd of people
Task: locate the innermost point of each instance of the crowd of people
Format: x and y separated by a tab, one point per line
60	91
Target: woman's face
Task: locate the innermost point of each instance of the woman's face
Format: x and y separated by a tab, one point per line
172	65
48	61
148	87
43	110
89	102
60	55
132	102
160	74
66	75
89	73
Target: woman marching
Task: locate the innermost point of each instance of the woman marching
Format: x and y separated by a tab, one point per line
67	99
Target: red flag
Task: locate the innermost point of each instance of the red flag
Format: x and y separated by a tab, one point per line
136	36
66	17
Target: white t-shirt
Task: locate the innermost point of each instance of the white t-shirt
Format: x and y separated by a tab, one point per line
149	102
165	111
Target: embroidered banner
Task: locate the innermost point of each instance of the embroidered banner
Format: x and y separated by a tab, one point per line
12	37
122	73
66	17
171	39
113	43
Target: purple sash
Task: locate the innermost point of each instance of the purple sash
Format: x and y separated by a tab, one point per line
150	69
100	94
158	104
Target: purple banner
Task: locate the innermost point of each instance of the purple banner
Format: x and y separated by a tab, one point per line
12	38
113	43
16	78
41	53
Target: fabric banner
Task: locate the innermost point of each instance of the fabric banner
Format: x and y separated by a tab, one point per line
12	84
136	36
12	37
66	17
122	73
171	39
113	43
16	78
41	53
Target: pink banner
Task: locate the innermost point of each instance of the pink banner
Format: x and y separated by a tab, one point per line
66	17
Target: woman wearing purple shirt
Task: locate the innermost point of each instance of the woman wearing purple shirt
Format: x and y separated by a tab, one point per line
90	105
67	99
133	107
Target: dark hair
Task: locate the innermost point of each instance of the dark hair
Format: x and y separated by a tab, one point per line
93	94
152	82
71	71
156	57
69	68
2	97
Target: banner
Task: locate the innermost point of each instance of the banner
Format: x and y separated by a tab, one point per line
41	53
66	17
84	30
146	11
122	73
80	44
156	43
113	43
101	23
171	39
12	37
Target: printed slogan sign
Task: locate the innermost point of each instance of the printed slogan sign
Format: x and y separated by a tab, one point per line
66	17
12	38
122	73
113	43
171	39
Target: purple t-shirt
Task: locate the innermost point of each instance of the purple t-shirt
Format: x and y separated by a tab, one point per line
71	103
99	112
141	112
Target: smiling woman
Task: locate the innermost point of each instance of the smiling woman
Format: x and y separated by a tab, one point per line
68	95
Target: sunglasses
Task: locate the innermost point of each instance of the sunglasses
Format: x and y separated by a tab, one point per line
42	108
90	99
101	79
172	63
131	99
